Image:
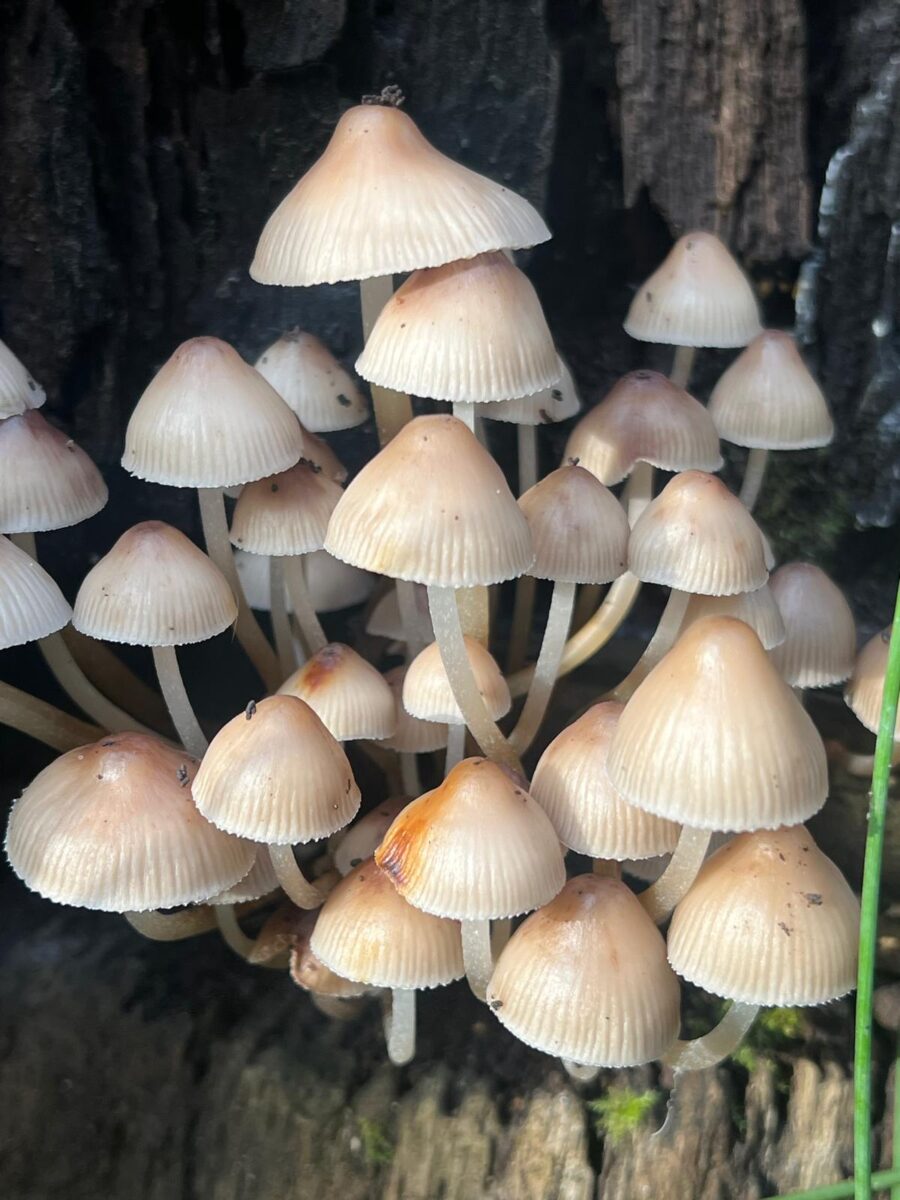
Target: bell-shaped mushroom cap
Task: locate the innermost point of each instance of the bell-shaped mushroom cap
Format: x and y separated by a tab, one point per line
699	296
547	407
312	382
469	331
308	972
348	694
579	530
716	739
360	840
572	787
820	643
368	932
427	693
260	880
46	481
31	605
768	399
319	452
769	920
154	588
287	513
586	979
698	537
18	391
644	418
382	200
275	774
413	734
112	826
756	609
207	419
865	691
476	847
433	507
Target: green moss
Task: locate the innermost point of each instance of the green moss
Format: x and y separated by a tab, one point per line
377	1148
621	1111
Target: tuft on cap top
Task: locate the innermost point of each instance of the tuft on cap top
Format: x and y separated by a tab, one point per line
756	609
382	200
413	735
285	514
18	391
578	528
312	382
865	690
46	481
699	296
547	407
820	643
31	605
350	696
427	693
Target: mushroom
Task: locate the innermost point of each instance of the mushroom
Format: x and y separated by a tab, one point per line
18	390
359	841
352	698
311	381
412	736
46	481
864	692
334	996
819	647
757	609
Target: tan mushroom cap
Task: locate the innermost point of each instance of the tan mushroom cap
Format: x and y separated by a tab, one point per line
769	920
469	331
820	643
413	734
382	200
46	481
714	737
275	774
865	691
572	787
432	507
699	296
308	972
154	588
768	399
360	840
578	528
697	536
312	382
31	605
113	826
350	696
260	880
476	847
368	932
287	513
757	609
586	979
18	391
427	693
547	407
207	419
645	417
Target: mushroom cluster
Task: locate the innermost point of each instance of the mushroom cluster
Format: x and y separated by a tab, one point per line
457	865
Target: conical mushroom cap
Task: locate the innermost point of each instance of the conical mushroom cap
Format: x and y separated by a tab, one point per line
312	382
46	481
756	609
865	691
820	643
644	418
769	920
31	605
383	201
547	407
432	507
476	847
276	775
768	399
427	693
698	537
572	787
18	391
348	694
468	331
414	735
309	972
112	826
207	419
578	528
154	588
714	737
586	979
368	932
699	296
287	513
360	840
260	880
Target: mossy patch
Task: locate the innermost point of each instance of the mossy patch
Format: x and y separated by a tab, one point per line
621	1111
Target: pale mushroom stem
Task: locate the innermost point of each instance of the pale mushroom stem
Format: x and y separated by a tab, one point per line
44	722
478	957
232	934
305	615
449	636
724	1039
754	473
76	685
546	669
409	774
410	619
294	883
682	365
392	409
638	491
523	606
400	1026
456	747
607	868
172	686
281	622
500	934
464	412
474	605
115	680
586	604
660	898
218	543
579	1072
662	641
172	927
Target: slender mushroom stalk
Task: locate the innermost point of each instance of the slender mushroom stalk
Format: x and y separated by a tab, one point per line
475	613
523	606
232	934
754	473
456	747
42	721
415	634
295	884
682	365
465	412
409	774
546	668
281	621
115	680
392	409
722	1040
478	955
304	613
661	897
172	927
172	685
661	642
400	1025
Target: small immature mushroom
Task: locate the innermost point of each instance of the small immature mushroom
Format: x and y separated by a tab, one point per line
155	588
820	643
478	848
757	609
360	840
312	382
18	391
412	736
350	697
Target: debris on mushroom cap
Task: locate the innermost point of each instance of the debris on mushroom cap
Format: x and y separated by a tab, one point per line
757	609
865	690
427	693
46	481
311	381
285	514
18	391
31	605
350	696
820	640
413	734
